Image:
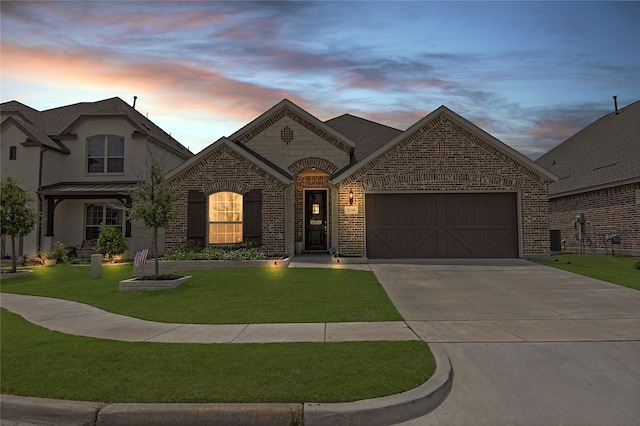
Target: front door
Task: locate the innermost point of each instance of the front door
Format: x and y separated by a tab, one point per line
315	222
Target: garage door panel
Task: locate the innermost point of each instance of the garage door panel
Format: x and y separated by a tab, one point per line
441	225
395	241
487	242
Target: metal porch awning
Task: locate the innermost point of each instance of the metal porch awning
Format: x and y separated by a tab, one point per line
55	194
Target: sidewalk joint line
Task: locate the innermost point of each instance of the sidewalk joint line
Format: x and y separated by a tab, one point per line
239	333
164	332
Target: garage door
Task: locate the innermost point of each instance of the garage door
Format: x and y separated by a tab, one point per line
417	226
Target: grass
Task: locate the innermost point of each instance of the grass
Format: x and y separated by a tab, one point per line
230	296
614	269
43	363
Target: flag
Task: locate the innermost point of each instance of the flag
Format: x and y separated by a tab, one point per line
140	258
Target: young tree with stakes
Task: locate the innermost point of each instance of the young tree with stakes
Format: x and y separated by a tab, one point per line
153	204
17	217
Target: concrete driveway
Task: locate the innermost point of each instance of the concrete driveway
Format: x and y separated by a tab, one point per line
528	344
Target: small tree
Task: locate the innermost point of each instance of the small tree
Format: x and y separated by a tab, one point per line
17	217
154	203
111	242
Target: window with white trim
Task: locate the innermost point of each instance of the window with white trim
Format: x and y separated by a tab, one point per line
105	154
225	218
98	215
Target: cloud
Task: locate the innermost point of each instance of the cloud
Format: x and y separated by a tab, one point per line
183	87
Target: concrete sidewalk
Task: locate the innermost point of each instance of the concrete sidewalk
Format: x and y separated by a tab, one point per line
84	320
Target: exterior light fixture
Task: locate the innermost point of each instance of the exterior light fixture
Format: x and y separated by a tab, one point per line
351	196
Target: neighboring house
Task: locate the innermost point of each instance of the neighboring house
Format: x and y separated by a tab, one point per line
80	163
293	184
599	185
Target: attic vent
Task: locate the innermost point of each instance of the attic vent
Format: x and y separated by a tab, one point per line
286	134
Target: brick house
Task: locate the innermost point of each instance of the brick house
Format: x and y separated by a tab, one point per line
294	184
598	185
80	163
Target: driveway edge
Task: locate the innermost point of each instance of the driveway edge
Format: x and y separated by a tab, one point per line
377	411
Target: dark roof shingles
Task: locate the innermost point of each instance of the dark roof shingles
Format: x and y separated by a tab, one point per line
367	135
602	154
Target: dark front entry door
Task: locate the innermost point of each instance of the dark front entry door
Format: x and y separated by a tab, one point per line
315	220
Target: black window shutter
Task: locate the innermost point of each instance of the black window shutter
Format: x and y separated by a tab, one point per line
196	217
252	216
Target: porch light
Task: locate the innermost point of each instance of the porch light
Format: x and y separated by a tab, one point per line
351	196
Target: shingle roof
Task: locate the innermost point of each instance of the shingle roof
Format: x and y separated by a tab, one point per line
603	154
59	121
367	135
30	121
341	175
47	126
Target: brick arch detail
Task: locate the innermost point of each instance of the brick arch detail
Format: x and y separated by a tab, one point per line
310	162
225	185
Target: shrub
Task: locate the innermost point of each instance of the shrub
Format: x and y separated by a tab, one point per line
59	253
636	264
215	253
111	242
244	254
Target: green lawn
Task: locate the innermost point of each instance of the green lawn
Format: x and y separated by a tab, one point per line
43	363
230	296
614	269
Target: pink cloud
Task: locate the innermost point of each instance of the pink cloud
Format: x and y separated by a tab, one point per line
182	86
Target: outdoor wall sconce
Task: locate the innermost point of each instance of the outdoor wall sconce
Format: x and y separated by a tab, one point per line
351	197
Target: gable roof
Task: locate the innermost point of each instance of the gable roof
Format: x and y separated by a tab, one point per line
367	135
286	107
61	121
242	150
30	122
470	127
605	153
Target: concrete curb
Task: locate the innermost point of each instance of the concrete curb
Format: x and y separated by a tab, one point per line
23	410
377	411
389	409
199	414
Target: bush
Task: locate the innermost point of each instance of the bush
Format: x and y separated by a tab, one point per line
111	242
636	264
59	253
214	253
244	254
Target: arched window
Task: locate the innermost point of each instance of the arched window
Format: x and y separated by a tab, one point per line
225	218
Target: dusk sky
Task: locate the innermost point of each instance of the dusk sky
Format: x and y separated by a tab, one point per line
529	73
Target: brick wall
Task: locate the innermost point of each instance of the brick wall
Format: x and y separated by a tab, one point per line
442	156
226	170
604	210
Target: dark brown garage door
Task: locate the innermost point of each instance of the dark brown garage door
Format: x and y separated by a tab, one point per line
417	226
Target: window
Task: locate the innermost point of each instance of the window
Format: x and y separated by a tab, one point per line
225	218
13	153
105	154
98	215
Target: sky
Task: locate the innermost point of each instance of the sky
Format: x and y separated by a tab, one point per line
529	73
